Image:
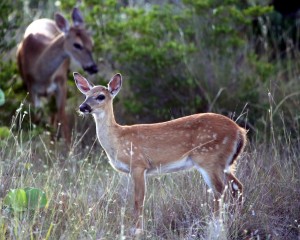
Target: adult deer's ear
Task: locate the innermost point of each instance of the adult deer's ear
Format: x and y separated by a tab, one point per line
62	23
77	17
115	84
82	84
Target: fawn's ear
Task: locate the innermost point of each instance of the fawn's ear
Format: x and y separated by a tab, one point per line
77	17
115	84
82	84
62	23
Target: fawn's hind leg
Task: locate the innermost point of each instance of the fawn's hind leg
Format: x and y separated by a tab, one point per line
215	182
235	186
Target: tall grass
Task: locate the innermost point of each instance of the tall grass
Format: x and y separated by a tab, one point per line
89	200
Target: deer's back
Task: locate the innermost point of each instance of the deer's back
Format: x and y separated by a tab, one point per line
43	27
172	140
37	38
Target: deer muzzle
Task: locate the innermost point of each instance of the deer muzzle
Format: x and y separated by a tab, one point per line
91	69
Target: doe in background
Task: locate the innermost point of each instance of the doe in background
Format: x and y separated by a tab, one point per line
44	58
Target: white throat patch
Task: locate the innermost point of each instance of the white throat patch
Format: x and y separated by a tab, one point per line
99	115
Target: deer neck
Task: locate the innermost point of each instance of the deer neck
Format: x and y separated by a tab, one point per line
107	129
52	57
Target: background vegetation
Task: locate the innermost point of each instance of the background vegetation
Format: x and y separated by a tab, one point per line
238	58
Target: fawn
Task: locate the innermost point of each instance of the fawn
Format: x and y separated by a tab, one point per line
209	142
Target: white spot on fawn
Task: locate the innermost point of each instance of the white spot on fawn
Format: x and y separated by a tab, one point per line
204	149
225	140
124	151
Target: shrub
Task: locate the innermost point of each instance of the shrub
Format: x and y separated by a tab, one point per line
178	59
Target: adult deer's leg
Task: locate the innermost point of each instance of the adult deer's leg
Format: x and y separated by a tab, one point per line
34	99
61	120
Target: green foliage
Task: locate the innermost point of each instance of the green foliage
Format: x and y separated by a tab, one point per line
13	89
22	199
4	132
16	199
10	21
162	50
36	198
147	48
176	59
11	18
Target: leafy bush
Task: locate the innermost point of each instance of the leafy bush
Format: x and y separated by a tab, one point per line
145	45
13	89
10	21
176	59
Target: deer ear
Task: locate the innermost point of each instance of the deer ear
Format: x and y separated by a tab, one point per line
82	84
77	17
62	23
115	84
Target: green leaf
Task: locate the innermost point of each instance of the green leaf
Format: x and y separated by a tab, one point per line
36	198
2	97
29	198
16	199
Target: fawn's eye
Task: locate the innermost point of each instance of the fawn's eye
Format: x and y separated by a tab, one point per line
77	45
100	97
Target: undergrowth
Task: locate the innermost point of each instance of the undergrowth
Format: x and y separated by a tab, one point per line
89	200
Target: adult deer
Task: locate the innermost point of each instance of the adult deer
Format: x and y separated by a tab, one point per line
44	58
209	142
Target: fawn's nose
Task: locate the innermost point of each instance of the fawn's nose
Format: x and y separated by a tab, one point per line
85	108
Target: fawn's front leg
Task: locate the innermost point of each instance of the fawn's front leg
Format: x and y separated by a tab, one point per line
139	181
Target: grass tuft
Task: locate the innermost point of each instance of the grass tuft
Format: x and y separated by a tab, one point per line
89	200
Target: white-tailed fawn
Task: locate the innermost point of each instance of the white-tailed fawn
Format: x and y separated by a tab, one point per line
208	142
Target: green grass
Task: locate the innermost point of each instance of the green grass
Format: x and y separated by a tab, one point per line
89	200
